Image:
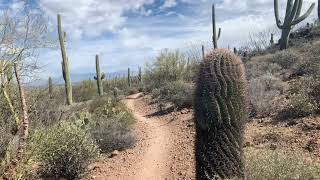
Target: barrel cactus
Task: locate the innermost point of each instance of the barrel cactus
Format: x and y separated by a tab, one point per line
220	105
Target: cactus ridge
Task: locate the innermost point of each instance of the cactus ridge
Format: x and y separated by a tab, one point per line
220	113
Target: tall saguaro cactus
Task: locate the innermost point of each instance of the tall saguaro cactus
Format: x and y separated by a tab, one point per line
140	75
215	36
202	50
99	77
319	11
220	105
292	17
65	63
129	78
50	86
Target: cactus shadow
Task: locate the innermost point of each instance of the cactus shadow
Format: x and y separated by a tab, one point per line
161	112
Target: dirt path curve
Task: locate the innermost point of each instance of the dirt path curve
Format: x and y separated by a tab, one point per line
155	163
150	158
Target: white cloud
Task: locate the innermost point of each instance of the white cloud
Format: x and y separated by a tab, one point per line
92	17
169	4
136	40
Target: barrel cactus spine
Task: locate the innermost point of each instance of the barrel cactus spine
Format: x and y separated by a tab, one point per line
215	36
99	76
220	105
292	18
65	63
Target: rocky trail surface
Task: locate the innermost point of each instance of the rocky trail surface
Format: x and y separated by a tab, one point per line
165	143
164	148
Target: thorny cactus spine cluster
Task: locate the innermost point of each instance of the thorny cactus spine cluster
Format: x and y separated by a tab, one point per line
220	106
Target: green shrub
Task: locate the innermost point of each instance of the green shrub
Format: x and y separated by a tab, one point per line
279	165
304	98
177	92
111	134
111	124
85	91
263	91
63	151
169	66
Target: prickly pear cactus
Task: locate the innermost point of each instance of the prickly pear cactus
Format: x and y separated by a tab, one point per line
220	106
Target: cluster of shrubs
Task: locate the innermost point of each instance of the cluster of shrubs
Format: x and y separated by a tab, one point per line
65	149
285	83
169	79
279	165
64	140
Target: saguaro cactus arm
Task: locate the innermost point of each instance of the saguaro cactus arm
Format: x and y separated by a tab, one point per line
292	17
303	17
215	36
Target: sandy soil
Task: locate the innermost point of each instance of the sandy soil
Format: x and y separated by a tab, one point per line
164	149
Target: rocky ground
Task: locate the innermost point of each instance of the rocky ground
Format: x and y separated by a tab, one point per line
165	146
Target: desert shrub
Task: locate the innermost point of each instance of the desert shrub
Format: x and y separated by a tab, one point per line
111	124
263	91
177	92
64	150
110	134
169	66
106	108
44	109
85	91
258	67
304	98
133	91
279	165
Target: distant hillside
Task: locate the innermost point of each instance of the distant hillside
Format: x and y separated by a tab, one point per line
77	78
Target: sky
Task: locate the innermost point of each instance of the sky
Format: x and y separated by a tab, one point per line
129	33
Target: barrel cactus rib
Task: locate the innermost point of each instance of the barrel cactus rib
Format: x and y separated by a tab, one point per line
292	18
220	105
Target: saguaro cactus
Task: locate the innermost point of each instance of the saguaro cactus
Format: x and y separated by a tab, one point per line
292	18
271	40
220	105
129	78
140	75
202	50
65	64
318	10
50	86
99	77
215	38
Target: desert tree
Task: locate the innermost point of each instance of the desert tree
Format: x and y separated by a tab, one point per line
23	32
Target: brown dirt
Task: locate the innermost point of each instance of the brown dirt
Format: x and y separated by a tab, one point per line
165	147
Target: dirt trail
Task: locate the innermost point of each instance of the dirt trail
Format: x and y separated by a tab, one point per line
155	163
164	148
